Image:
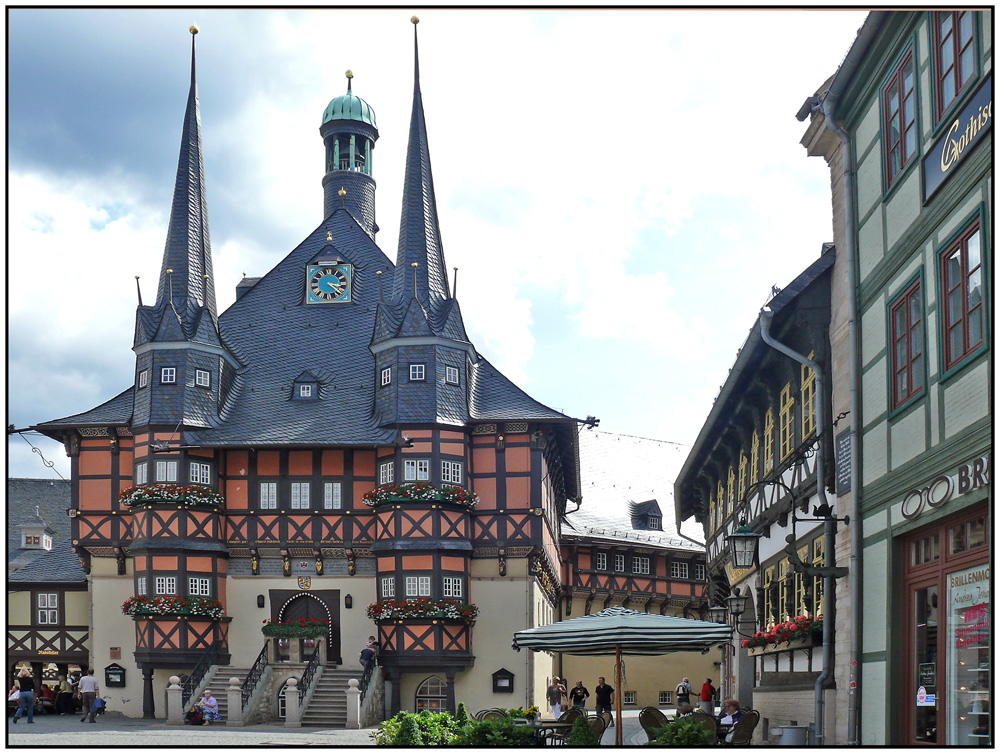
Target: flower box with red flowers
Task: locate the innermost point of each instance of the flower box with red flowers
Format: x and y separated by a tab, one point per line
420	492
800	632
307	628
447	609
170	604
186	494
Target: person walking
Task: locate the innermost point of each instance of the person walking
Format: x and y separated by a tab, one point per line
708	697
64	701
683	692
554	695
26	700
604	694
578	695
89	690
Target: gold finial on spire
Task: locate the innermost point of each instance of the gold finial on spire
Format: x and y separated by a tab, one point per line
329	235
349	74
193	29
342	192
136	277
205	276
170	271
414	20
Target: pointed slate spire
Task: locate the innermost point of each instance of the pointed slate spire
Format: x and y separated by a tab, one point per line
188	250
419	233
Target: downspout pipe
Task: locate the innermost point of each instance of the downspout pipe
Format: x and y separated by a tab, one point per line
829	528
856	528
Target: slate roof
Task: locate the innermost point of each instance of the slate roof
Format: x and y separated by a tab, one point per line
118	410
52	497
493	397
621	470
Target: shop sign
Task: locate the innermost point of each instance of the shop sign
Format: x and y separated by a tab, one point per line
965	131
970	598
927	673
924	699
967	478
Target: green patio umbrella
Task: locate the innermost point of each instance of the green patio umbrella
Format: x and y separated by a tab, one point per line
619	631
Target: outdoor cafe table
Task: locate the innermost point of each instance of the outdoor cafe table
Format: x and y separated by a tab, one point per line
539	727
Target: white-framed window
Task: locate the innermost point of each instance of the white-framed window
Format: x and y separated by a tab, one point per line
305	391
140	586
665	698
331	496
619	562
451	375
48	609
678	569
269	495
166	471
300	496
144	378
387	375
640	564
166	585
628	697
417	372
699	571
388	586
199	586
386	472
418	586
417	470
452	586
141	473
168	375
451	472
602	561
654	523
202	378
201	473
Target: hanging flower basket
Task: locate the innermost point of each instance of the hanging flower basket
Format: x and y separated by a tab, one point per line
423	608
167	604
187	494
308	628
393	493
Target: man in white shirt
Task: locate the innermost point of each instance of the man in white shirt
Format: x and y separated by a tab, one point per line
89	690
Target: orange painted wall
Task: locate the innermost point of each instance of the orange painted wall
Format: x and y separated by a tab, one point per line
360	490
449	563
418	562
487	491
268	463
140	562
96	463
386	564
300	462
419	448
518	459
332	463
484	460
364	463
237	463
236	494
199	563
449	435
518	492
164	562
125	468
95	494
584	559
202	452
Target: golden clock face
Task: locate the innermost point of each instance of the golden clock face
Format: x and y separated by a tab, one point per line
328	284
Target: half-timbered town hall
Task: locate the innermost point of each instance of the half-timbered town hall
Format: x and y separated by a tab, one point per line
328	459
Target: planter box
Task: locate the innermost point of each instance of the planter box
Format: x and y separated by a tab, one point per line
813	640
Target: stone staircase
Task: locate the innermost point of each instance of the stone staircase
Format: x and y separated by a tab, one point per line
220	686
328	705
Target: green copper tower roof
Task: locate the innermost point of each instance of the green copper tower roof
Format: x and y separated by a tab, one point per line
349	107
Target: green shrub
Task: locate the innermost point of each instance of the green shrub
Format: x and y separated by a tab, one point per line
461	714
686	731
582	734
435	728
409	733
493	733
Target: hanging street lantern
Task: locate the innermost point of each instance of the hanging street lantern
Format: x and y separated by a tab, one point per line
743	546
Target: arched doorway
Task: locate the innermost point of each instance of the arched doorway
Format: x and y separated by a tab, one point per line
307	606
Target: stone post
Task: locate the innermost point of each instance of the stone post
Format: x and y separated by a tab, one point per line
272	650
321	648
175	708
353	705
295	649
234	700
292	711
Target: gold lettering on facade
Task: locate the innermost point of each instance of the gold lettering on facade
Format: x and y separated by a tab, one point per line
955	143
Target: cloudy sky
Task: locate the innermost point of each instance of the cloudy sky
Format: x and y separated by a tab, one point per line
619	189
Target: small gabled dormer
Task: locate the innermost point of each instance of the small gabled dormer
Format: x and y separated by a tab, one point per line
305	387
646	516
36	534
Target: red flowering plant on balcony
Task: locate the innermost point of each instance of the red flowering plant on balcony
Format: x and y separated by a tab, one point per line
309	628
799	627
446	493
170	604
423	608
190	494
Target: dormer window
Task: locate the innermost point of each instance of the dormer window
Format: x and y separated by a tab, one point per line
654	523
305	391
305	387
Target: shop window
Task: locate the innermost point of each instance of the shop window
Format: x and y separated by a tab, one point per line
955	56
432	695
924	550
786	419
924	645
906	323
899	119
807	391
769	440
969	656
962	284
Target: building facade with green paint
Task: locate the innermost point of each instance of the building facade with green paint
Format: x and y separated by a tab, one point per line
913	200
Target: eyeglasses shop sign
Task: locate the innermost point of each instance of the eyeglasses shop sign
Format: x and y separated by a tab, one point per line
969	477
965	131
